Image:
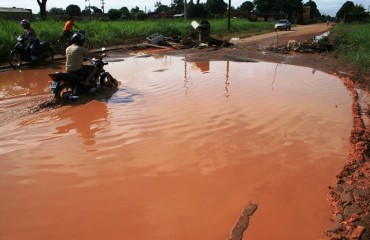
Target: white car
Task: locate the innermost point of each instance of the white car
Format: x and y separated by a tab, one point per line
283	24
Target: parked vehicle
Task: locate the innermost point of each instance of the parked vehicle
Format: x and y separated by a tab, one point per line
67	87
283	24
63	42
19	54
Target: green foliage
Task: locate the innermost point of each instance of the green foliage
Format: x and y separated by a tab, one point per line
56	11
73	10
246	6
114	14
290	7
109	33
216	7
141	15
352	43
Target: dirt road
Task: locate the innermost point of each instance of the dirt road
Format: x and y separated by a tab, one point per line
257	47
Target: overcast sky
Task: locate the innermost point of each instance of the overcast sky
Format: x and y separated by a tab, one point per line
327	7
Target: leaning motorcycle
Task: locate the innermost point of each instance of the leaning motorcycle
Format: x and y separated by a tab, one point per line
67	87
19	54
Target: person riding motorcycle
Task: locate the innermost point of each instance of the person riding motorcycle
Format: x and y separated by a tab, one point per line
68	28
30	34
75	54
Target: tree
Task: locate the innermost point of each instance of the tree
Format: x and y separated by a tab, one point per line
125	11
73	10
178	6
358	9
42	5
114	14
159	7
313	9
216	7
135	10
56	11
196	10
346	8
141	15
246	7
86	11
292	8
96	10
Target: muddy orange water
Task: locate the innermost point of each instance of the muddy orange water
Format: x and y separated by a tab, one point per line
176	153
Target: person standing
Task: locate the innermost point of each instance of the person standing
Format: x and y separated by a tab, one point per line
204	30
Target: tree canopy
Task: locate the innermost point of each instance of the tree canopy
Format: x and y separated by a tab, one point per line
292	8
247	6
349	8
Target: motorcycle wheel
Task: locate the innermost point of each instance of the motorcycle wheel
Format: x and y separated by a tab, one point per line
64	94
15	59
61	45
108	82
48	55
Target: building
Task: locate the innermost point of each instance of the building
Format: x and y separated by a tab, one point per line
15	13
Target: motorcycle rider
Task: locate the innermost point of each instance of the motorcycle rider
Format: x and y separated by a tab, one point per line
30	34
69	26
75	54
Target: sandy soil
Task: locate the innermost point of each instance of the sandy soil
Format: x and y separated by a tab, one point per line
349	198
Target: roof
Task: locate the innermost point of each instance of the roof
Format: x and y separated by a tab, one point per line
178	15
15	10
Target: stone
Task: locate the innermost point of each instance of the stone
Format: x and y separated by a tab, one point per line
350	210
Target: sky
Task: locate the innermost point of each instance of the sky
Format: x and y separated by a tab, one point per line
327	7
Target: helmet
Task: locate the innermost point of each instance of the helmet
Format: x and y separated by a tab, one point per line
78	38
25	22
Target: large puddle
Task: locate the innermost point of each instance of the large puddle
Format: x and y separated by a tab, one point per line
176	153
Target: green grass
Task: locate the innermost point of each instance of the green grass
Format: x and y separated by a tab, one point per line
352	43
109	33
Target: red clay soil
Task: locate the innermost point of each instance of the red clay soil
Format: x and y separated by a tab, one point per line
349	198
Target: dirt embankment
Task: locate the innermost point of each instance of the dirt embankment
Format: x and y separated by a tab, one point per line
349	198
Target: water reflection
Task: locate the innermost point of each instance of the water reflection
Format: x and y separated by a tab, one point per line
85	120
156	155
23	83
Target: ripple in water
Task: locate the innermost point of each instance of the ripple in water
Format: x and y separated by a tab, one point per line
179	144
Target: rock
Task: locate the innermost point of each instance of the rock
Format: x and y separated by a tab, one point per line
347	187
356	234
350	210
361	193
346	197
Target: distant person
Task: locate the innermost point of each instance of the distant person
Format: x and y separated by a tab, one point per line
75	54
68	28
204	30
30	34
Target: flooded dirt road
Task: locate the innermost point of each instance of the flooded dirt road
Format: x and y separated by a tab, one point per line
175	153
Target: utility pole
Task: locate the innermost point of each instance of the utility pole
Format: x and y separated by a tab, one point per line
185	9
102	5
229	16
89	8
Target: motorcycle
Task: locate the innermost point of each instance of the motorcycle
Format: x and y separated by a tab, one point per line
19	54
67	87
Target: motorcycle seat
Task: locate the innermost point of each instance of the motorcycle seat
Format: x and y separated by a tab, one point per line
70	76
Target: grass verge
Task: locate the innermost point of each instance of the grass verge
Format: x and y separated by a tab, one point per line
109	33
352	43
